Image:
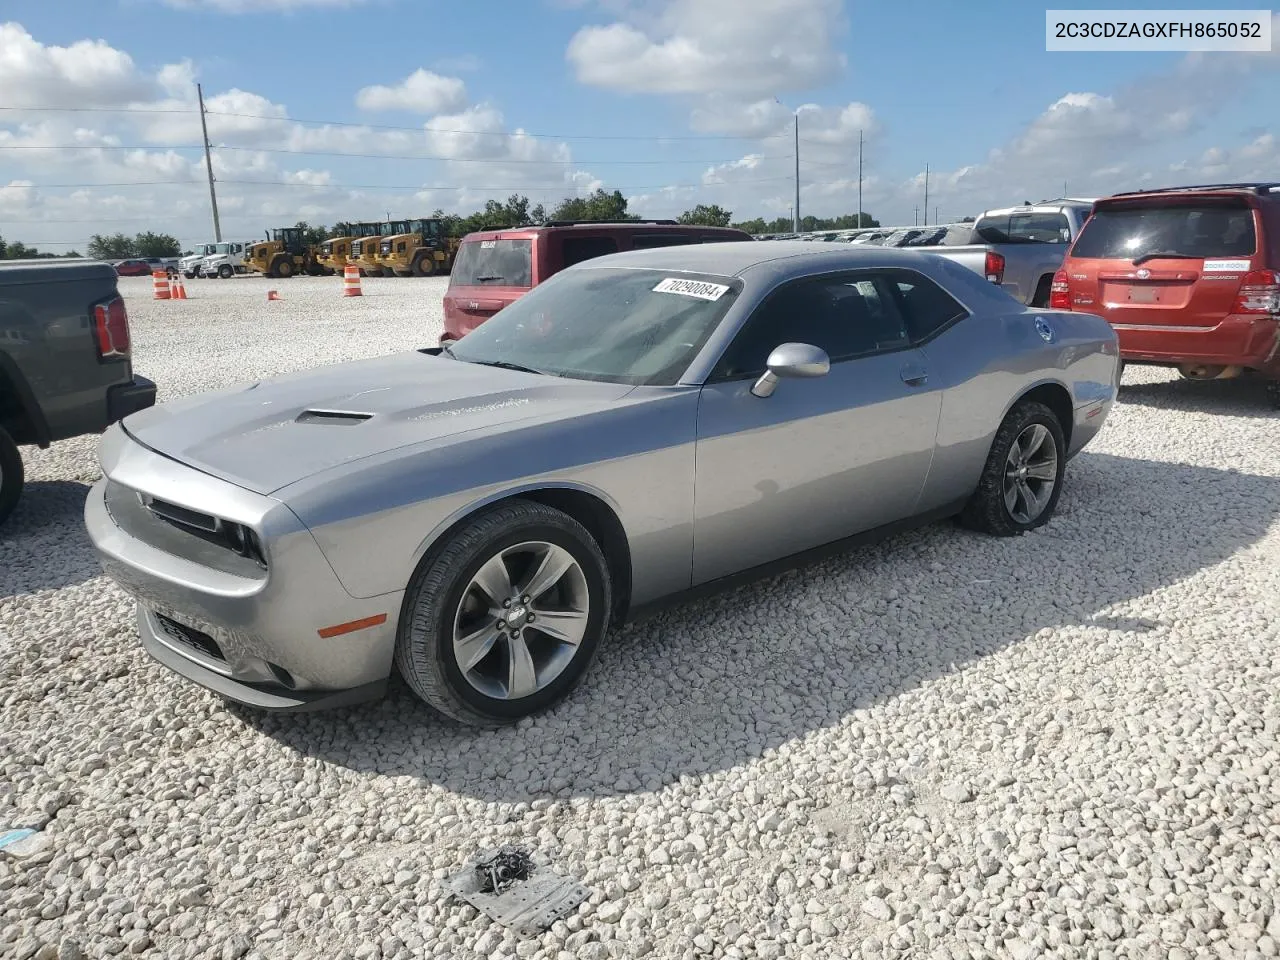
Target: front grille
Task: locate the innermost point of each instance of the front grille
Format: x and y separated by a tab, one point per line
181	515
190	637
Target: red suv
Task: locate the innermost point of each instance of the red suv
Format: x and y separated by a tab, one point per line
1189	277
496	267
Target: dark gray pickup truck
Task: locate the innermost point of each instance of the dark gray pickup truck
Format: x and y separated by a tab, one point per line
65	366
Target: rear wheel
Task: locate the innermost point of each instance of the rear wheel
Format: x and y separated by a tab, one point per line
1273	393
284	268
11	475
424	265
503	621
1022	479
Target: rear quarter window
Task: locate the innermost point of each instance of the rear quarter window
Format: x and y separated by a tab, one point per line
1194	230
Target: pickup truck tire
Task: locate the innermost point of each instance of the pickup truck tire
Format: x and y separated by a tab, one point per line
11	475
1040	448
225	272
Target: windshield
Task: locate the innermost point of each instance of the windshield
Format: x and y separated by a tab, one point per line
617	325
498	263
1185	230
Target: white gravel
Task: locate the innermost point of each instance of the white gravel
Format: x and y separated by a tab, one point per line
946	746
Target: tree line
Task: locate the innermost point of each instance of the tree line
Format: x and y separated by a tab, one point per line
516	211
17	250
520	211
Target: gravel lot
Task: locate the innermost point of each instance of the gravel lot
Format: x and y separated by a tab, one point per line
946	746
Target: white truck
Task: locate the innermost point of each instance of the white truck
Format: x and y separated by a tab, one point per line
225	260
192	264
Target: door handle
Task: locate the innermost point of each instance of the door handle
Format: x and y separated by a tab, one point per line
914	376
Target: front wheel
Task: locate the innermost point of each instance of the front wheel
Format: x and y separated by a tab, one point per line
11	475
1022	479
503	621
225	272
284	269
424	266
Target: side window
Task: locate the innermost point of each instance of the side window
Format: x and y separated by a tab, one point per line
1039	228
846	316
928	308
645	241
577	249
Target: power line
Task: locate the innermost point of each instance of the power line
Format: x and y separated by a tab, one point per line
374	156
380	186
388	126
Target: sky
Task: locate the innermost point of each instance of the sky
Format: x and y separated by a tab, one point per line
327	110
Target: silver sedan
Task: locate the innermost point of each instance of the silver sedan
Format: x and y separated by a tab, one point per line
638	427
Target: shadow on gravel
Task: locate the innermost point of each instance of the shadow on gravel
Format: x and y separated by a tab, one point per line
712	685
1244	396
43	545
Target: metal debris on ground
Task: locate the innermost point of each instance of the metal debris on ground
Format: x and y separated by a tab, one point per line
508	865
507	885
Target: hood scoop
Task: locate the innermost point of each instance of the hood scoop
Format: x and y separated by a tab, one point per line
335	418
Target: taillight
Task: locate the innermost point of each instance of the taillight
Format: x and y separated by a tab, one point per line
995	267
1259	293
1060	292
111	328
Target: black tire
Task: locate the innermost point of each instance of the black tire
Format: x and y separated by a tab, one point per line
11	475
986	510
284	268
424	265
424	640
225	272
1043	288
189	274
1273	393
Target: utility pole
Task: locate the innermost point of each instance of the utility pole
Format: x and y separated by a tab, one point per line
936	218
915	216
859	179
208	166
795	216
926	194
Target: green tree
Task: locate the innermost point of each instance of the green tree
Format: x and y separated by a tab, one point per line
312	235
707	216
156	245
600	205
117	247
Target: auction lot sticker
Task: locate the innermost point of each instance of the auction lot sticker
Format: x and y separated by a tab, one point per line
1225	266
692	288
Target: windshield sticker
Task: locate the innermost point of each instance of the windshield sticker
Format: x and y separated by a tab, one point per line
692	288
1225	266
487	244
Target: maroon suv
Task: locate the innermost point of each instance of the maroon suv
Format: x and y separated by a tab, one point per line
496	267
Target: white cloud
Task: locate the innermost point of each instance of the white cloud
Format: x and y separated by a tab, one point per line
270	168
743	47
87	73
420	92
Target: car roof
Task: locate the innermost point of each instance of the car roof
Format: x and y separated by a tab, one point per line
667	226
733	259
1249	189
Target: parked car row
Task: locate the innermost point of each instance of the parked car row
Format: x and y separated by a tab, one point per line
144	266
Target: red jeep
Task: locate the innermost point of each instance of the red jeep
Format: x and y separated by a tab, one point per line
496	267
1189	277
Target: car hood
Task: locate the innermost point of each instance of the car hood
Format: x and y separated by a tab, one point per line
270	434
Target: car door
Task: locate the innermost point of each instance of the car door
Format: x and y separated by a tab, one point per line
823	458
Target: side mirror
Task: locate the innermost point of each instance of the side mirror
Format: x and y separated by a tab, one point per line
791	360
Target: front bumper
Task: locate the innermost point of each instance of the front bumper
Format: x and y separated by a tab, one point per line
247	633
126	398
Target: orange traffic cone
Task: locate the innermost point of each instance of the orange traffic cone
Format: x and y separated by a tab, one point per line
351	281
179	289
272	295
160	284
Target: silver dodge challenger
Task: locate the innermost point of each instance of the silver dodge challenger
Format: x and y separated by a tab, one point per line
640	427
